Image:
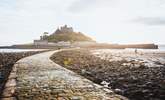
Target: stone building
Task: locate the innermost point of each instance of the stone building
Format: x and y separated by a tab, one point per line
84	43
64	29
40	42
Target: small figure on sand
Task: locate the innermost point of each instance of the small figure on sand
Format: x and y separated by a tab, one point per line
136	51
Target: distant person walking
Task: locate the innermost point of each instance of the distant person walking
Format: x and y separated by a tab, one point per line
136	51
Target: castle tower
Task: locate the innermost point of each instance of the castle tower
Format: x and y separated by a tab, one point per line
63	29
57	31
66	29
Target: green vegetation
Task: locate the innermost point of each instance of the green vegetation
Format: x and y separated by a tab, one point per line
72	37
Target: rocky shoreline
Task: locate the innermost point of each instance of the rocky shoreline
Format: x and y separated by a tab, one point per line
137	76
7	60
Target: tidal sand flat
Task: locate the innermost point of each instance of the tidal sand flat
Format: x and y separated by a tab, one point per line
137	75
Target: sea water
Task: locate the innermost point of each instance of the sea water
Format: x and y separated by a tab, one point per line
19	50
161	47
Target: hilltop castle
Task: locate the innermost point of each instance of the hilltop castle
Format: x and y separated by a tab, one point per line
64	29
64	36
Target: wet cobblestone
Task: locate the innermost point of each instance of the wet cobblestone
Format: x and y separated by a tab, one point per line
38	78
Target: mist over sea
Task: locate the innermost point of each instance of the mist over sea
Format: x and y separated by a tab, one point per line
18	50
161	48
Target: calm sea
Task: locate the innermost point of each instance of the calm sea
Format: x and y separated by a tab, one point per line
161	48
19	50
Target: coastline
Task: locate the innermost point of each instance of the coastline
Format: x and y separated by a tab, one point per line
134	75
96	46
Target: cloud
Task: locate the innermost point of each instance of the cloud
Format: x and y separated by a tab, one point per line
25	20
83	5
150	20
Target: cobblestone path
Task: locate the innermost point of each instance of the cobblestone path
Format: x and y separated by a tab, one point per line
39	78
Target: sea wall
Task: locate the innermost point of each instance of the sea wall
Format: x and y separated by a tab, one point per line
95	45
118	46
141	46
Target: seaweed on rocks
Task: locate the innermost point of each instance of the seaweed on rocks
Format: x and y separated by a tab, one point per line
7	60
130	78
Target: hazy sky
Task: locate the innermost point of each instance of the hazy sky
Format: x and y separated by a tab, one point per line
113	21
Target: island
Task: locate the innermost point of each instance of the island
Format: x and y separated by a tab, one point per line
66	37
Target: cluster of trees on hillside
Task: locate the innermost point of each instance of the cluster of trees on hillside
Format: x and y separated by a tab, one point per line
72	37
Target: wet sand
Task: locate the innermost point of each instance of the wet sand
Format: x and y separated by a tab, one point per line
138	76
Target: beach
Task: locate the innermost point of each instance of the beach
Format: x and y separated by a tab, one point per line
138	75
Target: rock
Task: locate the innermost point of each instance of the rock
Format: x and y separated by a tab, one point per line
118	91
11	83
136	65
1	76
8	92
61	98
8	98
145	91
131	75
77	98
12	75
83	71
108	90
104	83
